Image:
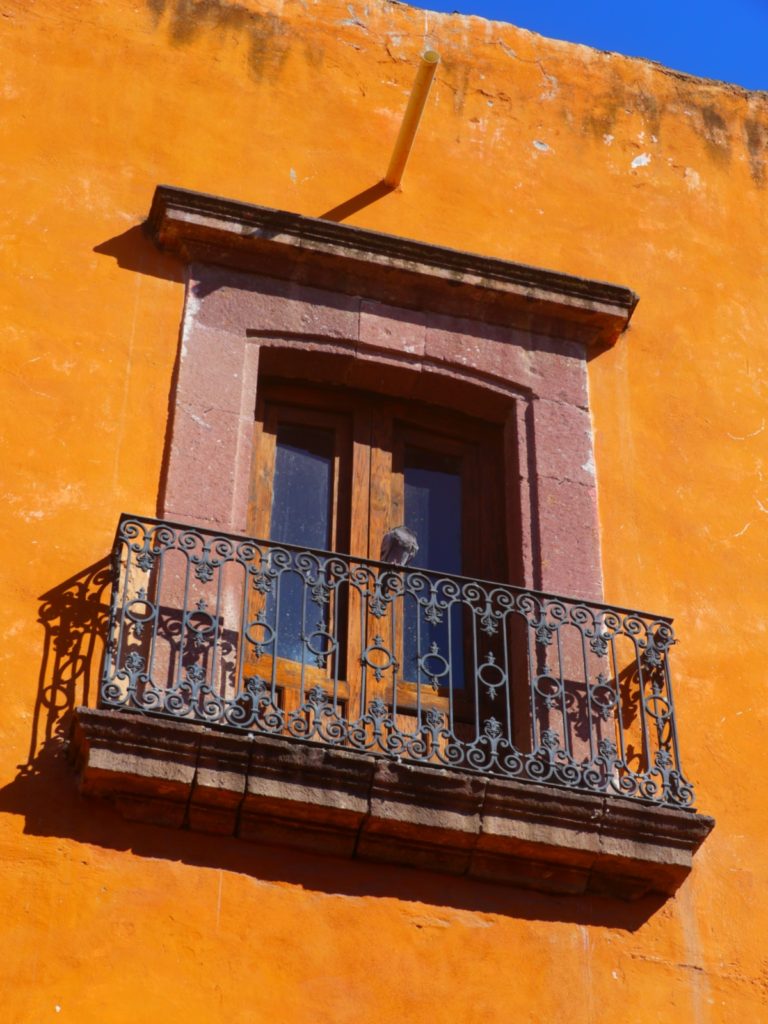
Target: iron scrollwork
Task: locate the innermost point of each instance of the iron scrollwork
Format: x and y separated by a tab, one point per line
435	669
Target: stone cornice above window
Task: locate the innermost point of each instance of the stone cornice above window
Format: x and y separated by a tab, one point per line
417	275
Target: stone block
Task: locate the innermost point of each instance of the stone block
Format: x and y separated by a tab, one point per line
336	838
629	887
236	303
212	370
422	817
383	267
140	771
144	757
202	471
568	511
536	872
408	797
406	850
152	810
489	349
562	439
145	766
389	327
305	796
220	783
540	822
559	370
391	373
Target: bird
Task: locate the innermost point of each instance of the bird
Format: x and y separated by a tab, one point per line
399	546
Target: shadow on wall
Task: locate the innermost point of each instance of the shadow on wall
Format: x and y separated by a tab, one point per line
358	202
74	616
134	251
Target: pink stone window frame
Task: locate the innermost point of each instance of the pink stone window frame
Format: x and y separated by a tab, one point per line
234	322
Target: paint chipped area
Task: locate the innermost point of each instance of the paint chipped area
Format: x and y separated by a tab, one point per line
541	146
642	160
692	179
47	501
192	306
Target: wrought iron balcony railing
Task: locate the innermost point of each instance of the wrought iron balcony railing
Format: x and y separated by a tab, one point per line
404	663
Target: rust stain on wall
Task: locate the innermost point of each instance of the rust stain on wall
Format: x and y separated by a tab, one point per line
756	138
712	126
268	38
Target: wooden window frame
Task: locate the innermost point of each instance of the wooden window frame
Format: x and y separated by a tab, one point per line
371	437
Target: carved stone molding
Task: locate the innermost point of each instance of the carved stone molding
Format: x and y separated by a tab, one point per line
348	804
408	273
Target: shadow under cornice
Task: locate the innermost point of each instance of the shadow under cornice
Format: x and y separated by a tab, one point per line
134	250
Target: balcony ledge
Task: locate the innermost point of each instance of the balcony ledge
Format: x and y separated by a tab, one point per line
343	803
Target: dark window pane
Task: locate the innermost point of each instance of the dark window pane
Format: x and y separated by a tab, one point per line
433	503
301	514
433	508
301	502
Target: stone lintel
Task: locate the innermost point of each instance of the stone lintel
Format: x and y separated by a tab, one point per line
209	229
280	791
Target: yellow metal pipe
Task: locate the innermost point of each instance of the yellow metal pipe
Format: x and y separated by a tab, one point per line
427	68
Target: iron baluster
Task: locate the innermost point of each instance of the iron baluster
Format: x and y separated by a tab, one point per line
202	628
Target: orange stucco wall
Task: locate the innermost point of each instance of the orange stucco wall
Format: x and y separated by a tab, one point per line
533	150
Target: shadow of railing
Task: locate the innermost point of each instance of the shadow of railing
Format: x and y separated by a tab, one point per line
74	616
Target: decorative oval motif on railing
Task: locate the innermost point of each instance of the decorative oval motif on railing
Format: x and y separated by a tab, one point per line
441	670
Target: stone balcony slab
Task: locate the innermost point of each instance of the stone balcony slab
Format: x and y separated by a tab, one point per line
332	801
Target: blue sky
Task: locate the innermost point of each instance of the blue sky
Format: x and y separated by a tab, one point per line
728	41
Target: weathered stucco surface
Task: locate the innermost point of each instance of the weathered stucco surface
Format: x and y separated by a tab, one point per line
532	150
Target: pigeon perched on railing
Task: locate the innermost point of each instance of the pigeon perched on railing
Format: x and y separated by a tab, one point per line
399	546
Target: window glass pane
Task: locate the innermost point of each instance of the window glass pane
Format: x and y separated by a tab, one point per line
301	514
433	502
301	502
433	508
